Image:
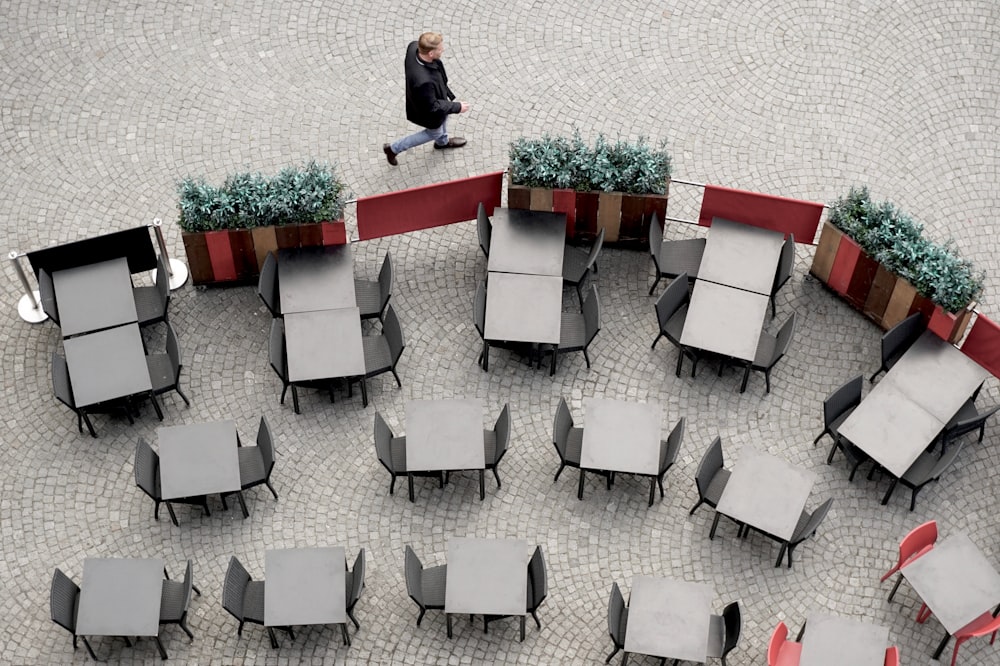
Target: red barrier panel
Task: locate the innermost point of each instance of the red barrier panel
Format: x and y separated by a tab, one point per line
427	206
761	210
983	344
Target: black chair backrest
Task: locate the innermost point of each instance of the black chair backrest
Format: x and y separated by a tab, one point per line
655	239
710	463
383	442
898	339
162	280
267	284
971	424
60	381
733	621
174	352
479	310
385	279
670	301
539	578
265	442
591	314
62	601
188	584
393	334
785	263
561	427
47	294
813	523
669	453
484	228
276	349
358	578
595	250
147	469
941	466
502	428
616	608
784	339
845	397
234	588
414	571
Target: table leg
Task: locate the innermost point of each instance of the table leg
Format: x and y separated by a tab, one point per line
156	405
482	485
159	646
715	524
941	647
243	505
274	641
448	617
579	492
409	481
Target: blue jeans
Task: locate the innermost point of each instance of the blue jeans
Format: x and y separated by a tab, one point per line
438	136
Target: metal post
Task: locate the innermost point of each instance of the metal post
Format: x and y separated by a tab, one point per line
176	269
29	306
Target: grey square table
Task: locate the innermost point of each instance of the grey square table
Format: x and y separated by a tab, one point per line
830	640
936	375
766	492
120	597
621	436
324	344
956	581
669	618
94	297
304	586
320	278
523	308
487	576
198	459
107	365
724	320
527	241
890	427
444	435
740	255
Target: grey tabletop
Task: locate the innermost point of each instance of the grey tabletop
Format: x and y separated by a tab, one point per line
831	640
523	308
767	492
741	255
198	459
527	241
621	436
890	427
669	618
304	586
724	320
324	344
320	278
956	581
487	576
107	365
936	375
444	435
120	597
93	297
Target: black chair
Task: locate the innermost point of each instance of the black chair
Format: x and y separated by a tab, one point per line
672	259
837	407
425	586
175	599
898	339
147	478
64	393
373	295
267	285
256	464
495	442
165	368
479	321
770	350
47	295
617	620
567	439
578	329
64	598
968	419
671	313
805	528
538	588
243	598
151	303
786	262
354	584
390	450
724	634
926	468
484	228
382	351
711	477
668	456
578	264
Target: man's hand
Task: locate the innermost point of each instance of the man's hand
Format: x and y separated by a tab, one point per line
465	107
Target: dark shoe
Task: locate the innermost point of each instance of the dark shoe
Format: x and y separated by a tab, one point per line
389	155
453	142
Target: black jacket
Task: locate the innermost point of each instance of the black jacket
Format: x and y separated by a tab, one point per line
428	98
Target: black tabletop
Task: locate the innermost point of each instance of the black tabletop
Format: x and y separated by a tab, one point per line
487	576
316	278
93	297
741	255
523	308
324	344
198	459
107	365
304	586
120	597
527	241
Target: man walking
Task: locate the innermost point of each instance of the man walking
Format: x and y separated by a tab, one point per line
429	100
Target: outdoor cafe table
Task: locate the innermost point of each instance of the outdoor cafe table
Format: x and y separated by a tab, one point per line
199	459
316	278
445	435
724	320
523	308
765	492
324	344
741	255
94	297
486	577
527	241
669	618
108	365
121	597
620	437
830	640
305	586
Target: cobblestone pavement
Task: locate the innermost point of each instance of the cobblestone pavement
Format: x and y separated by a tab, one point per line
105	105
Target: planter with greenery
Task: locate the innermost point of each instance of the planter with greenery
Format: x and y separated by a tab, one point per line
612	186
875	257
228	230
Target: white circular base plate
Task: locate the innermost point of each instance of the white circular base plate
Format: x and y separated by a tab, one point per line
180	274
29	313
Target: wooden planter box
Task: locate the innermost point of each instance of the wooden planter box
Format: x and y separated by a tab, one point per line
234	256
882	296
624	217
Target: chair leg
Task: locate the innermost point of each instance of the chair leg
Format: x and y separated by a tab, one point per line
295	399
486	356
871	379
364	392
833	451
184	626
90	426
562	465
746	376
284	390
159	646
655	282
586	357
357	625
715	524
913	498
888	493
767	381
243	505
274	640
173	516
421	616
538	622
680	362
653	346
612	655
345	635
652	490
271	488
497	476
552	363
156	405
183	397
399	384
781	555
695	507
825	431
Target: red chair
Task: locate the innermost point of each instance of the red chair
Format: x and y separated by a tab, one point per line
982	625
918	542
782	652
892	656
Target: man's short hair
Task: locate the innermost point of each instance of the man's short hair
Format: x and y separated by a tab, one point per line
428	42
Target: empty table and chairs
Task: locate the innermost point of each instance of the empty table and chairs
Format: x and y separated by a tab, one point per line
671	619
831	640
94	297
528	242
319	278
306	586
199	459
445	436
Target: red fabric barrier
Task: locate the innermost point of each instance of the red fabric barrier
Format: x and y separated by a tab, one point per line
427	206
982	344
761	210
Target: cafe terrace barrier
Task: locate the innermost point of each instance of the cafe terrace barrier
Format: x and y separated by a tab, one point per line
982	344
794	216
427	206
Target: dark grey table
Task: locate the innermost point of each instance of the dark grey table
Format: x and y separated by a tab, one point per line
669	618
320	278
107	365
621	436
94	297
120	597
324	344
524	308
198	459
304	586
956	581
487	576
724	320
830	640
444	435
740	255
766	492
527	241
